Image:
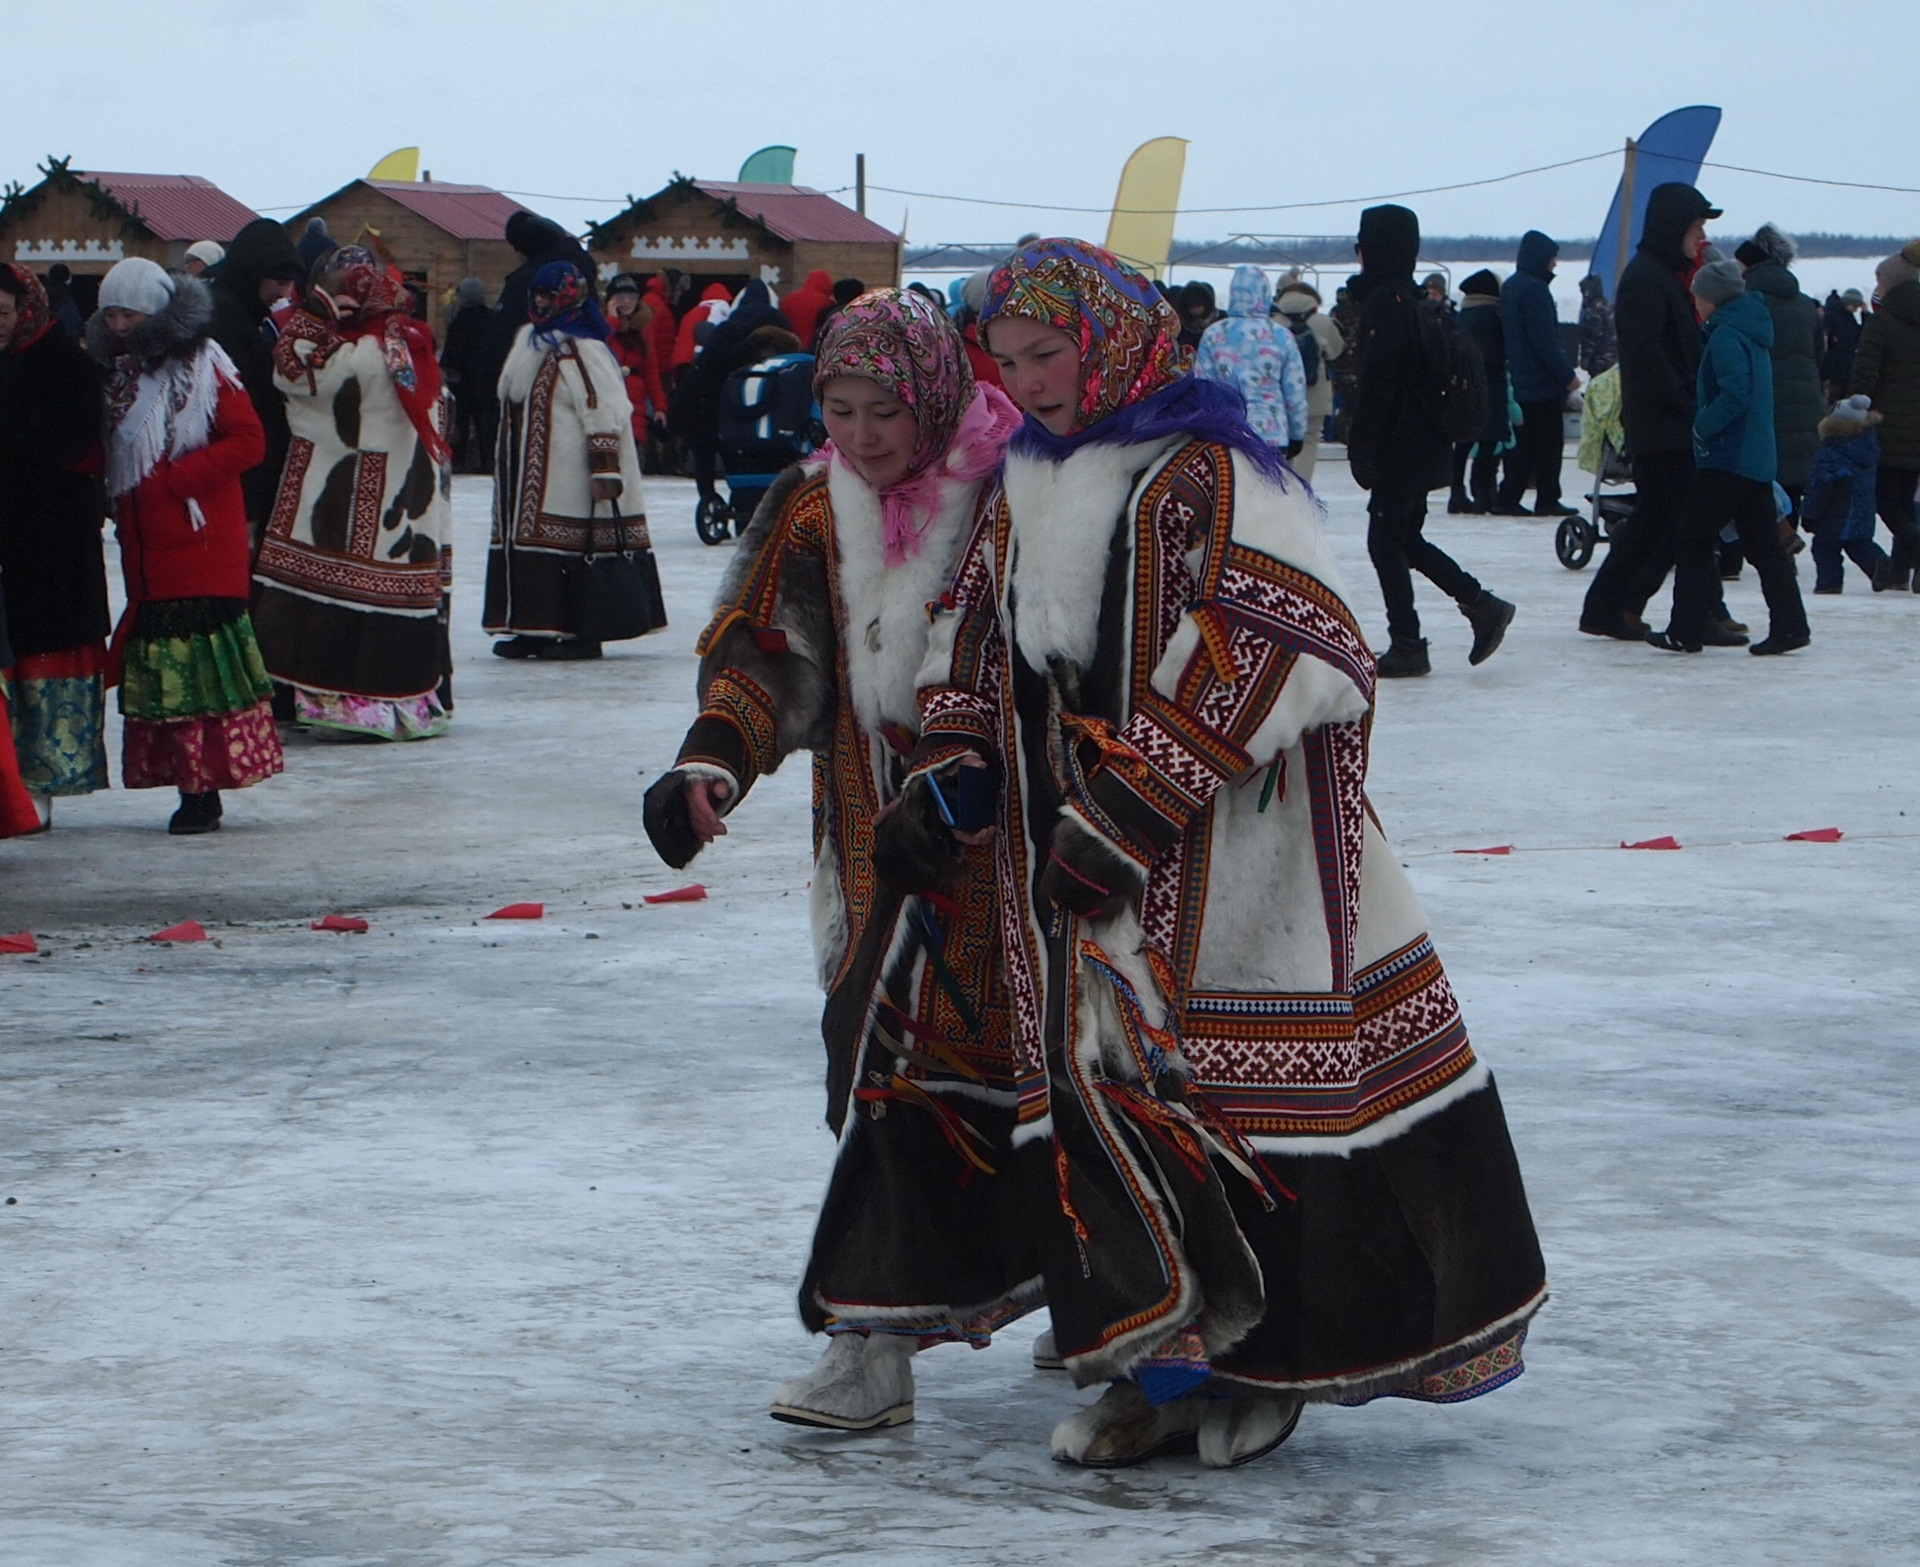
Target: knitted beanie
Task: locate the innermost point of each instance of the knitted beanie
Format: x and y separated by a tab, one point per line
208	252
1903	266
1719	281
1855	409
137	284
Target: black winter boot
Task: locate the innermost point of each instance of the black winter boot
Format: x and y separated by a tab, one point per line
1489	616
1407	656
198	813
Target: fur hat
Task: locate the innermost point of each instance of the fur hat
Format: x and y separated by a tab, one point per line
1719	281
1903	266
1849	417
137	284
1480	285
1769	243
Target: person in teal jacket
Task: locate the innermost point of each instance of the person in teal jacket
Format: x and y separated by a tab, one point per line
1735	460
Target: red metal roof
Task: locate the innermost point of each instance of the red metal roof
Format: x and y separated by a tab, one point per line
464	211
178	206
797	212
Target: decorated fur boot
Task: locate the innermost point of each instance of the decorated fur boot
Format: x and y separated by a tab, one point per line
862	1383
1246	1426
1123	1429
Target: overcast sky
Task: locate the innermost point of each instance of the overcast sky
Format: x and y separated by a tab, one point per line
1020	100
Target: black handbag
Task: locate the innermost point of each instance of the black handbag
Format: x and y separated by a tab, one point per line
613	598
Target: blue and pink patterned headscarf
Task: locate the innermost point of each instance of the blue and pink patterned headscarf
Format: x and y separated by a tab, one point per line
572	312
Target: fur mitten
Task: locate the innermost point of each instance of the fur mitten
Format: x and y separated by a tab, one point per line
667	821
912	847
1087	876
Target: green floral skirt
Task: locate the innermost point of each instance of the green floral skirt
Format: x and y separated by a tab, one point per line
196	698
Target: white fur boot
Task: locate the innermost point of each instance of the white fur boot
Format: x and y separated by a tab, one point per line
1046	1353
863	1382
1247	1426
1124	1429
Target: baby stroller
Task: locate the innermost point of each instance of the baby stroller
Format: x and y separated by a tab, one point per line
767	421
1602	454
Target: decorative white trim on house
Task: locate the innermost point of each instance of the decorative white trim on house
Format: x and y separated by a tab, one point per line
69	250
649	247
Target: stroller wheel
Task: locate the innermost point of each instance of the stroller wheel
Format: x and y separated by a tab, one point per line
1573	542
711	520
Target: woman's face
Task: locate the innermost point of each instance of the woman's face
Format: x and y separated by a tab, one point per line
540	302
1041	368
120	322
871	428
9	318
624	304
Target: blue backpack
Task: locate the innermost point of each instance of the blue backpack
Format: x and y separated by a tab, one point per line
769	404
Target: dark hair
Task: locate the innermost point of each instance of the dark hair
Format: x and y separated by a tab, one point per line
59	272
847	290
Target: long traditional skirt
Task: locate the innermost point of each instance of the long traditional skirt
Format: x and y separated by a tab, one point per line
59	703
196	698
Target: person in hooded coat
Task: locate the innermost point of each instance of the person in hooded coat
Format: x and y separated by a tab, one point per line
65	313
1659	338
1886	369
1299	306
1199	308
181	429
1475	463
1278	1172
817	638
314	242
1798	403
1398	452
567	478
1734	463
1260	360
258	270
731	346
463	369
539	241
807	303
1840	329
1599	348
1542	376
716	299
53	579
353	580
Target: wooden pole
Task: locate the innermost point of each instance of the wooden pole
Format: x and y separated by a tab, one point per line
860	183
1626	213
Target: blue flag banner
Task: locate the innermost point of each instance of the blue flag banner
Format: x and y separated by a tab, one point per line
1672	148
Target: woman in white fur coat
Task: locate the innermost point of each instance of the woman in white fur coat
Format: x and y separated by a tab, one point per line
816	644
1282	1173
354	572
566	479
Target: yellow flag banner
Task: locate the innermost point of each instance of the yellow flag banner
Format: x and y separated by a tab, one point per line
1140	232
401	164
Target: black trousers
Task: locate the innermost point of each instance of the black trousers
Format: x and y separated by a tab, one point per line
1474	476
1893	499
1641	553
1398	547
1717	498
1541	445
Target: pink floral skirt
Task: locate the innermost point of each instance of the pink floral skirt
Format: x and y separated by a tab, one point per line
201	754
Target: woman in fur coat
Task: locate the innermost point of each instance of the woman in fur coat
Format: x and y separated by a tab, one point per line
180	432
354	575
566	479
816	644
52	572
1281	1171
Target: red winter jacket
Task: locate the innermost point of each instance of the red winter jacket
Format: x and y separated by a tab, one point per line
664	326
803	306
683	344
986	369
642	370
163	555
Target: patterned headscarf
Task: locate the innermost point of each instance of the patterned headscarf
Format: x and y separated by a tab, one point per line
572	312
30	298
1129	335
902	342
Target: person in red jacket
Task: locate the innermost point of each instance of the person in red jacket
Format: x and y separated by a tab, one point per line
715	303
804	306
180	432
664	326
632	345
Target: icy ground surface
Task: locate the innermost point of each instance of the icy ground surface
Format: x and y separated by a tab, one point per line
458	1244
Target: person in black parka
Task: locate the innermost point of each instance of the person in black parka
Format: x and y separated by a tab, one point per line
1542	376
475	398
539	240
1479	318
1798	402
1840	336
1397	449
259	269
1660	345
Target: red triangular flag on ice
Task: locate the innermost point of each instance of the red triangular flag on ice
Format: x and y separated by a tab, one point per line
520	911
21	943
348	922
186	930
693	892
1814	835
1498	848
1666	842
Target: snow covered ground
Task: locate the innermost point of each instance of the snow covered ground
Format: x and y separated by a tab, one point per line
456	1243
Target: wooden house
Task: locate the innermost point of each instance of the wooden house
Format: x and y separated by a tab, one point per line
436	233
730	232
92	220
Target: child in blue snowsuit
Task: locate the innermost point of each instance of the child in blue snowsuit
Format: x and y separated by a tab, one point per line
1839	502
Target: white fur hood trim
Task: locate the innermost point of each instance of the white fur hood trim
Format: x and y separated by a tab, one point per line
884	608
1064	515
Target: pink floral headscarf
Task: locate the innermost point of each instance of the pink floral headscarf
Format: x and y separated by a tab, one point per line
902	341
